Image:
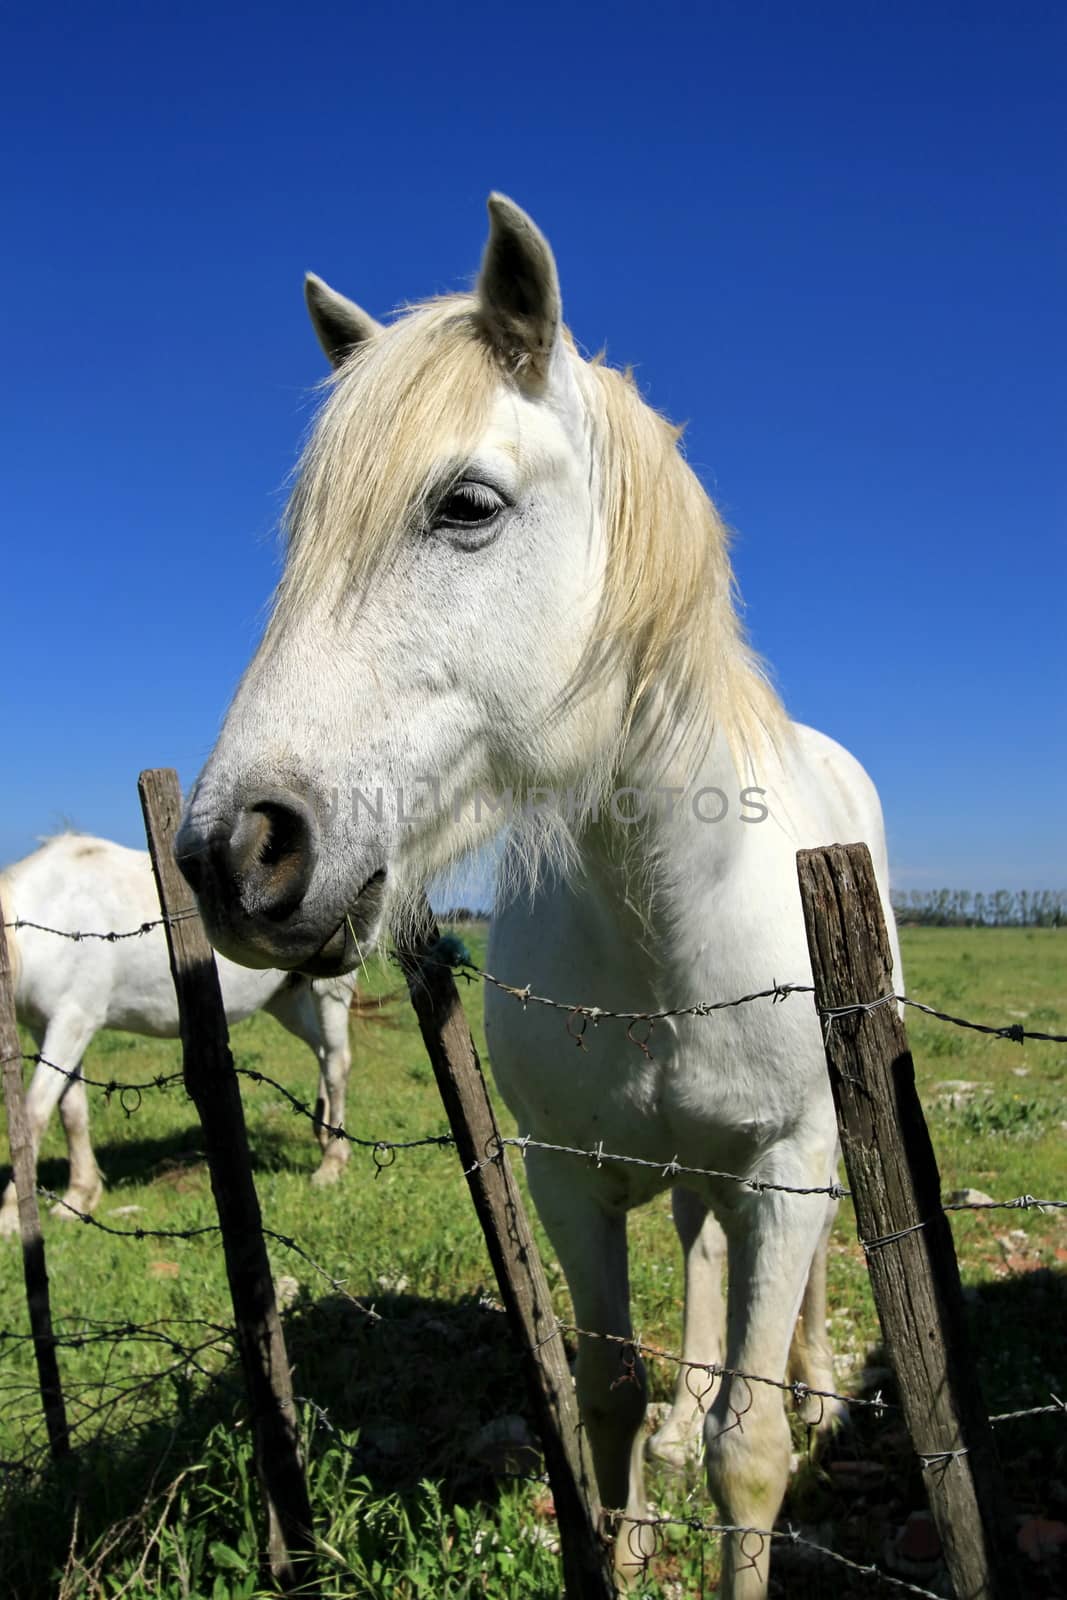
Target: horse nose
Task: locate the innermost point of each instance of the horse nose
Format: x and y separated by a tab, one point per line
263	861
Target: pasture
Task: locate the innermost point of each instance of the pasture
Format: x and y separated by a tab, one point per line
402	1363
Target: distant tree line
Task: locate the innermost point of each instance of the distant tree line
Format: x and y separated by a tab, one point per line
1001	908
931	908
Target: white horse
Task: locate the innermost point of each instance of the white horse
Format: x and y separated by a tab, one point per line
502	576
66	990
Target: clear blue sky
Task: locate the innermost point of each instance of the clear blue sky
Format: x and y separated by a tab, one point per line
835	246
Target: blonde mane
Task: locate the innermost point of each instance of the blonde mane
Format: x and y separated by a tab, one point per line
421	393
670	600
419	390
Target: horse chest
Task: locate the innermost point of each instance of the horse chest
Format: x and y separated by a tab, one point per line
658	1095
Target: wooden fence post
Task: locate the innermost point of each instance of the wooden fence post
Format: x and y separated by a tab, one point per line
523	1287
211	1082
896	1189
24	1163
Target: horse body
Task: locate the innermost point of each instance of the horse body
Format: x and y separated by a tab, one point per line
743	1091
502	577
66	990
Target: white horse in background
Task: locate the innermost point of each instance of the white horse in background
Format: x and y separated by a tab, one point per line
502	576
65	990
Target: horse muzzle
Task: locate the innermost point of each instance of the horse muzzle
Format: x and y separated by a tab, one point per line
252	872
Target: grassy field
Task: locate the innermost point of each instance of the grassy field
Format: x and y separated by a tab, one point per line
406	1476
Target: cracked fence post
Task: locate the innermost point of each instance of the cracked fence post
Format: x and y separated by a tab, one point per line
24	1163
896	1189
586	1555
211	1082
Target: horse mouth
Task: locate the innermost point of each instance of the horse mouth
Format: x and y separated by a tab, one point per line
350	941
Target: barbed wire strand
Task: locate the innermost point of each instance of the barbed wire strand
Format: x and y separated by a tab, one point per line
713	1370
100	1331
524	993
789	1536
777	992
1057	1408
124	1394
129	1096
109	937
138	1232
673	1168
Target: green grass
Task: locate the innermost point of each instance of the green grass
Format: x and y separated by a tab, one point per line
160	1500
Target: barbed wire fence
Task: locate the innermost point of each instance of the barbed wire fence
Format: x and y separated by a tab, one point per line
432	968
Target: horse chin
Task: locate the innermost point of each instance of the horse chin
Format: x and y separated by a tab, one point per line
354	935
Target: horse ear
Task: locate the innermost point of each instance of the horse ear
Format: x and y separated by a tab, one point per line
518	291
339	323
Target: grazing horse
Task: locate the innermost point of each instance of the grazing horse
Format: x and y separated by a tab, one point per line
65	990
505	591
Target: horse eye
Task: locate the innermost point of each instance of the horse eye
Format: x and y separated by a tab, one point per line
468	505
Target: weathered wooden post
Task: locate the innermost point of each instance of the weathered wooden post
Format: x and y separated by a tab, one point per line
24	1163
514	1254
896	1188
211	1082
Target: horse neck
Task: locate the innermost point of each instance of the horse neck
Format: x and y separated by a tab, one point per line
654	880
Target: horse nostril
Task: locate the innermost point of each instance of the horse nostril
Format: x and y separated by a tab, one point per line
272	855
282	833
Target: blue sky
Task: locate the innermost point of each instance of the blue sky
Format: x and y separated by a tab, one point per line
833	246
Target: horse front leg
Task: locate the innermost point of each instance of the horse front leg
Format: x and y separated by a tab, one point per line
772	1240
679	1439
811	1358
589	1237
335	1063
677	1442
86	1183
318	1014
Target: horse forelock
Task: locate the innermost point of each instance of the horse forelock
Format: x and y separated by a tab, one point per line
416	394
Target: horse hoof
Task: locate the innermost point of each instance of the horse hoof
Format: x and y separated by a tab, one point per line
77	1203
635	1546
674	1451
328	1173
823	1415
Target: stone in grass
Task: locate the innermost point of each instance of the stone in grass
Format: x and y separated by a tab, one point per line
969	1197
914	1551
954	1094
286	1291
507	1447
1040	1539
393	1282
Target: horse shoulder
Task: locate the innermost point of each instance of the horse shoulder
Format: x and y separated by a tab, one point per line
845	784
